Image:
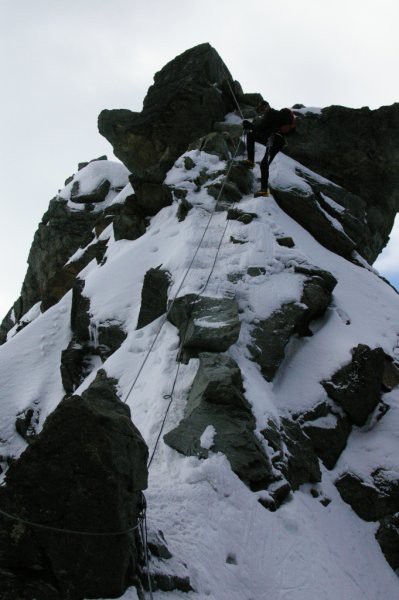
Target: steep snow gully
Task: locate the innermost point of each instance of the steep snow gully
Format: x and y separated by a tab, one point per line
278	529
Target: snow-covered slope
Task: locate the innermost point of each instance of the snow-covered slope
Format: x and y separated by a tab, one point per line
233	548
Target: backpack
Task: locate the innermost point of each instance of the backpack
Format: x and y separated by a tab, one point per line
287	120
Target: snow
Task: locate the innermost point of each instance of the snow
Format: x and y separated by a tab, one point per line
91	176
332	203
306	110
304	550
206	439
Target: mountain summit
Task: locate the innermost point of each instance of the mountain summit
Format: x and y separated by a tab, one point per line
235	359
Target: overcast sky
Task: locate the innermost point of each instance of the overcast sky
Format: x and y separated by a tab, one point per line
63	61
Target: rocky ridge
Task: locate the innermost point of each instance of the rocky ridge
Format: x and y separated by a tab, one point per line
274	292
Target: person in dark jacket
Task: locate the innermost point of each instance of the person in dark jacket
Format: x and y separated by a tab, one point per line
269	130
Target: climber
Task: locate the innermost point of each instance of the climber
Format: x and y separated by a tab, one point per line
269	129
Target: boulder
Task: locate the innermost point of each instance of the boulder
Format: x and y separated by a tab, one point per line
184	208
224	191
390	377
303	206
111	336
205	323
217	399
357	386
192	91
358	149
328	433
26	423
129	219
242	177
150	197
84	472
288	242
235	214
270	336
234	130
293	453
371	501
214	143
97	195
388	538
154	296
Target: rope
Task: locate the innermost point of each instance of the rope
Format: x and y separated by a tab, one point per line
233	94
184	277
69	531
170	396
144	537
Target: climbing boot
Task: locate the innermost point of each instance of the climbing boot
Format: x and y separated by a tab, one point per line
248	163
265	193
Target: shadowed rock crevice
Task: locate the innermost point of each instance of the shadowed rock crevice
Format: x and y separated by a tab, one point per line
87	346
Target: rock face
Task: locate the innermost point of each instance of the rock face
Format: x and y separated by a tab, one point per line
357	386
83	472
59	235
371	501
358	149
154	296
190	91
307	207
205	324
217	400
293	454
388	538
271	335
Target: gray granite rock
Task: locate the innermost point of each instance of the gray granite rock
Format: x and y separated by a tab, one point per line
217	398
83	472
357	386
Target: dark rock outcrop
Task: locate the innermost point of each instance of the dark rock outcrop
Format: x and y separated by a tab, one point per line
303	206
65	278
97	195
271	335
154	296
357	149
357	386
328	432
217	399
60	233
388	538
83	472
111	336
150	197
205	324
76	358
235	214
293	454
370	501
192	91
